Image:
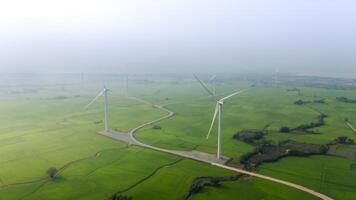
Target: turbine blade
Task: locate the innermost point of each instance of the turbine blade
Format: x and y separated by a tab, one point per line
204	86
211	78
97	96
212	122
233	94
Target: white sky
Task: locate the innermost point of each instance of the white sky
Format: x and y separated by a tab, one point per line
306	36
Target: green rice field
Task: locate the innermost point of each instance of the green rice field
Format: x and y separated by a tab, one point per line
43	124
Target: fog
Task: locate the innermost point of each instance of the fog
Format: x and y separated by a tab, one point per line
158	36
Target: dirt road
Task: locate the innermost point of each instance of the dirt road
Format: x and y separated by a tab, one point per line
195	155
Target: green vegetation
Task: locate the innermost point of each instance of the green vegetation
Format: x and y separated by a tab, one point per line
251	189
329	175
346	100
156	127
271	153
51	172
250	137
207	181
303	102
44	124
305	128
119	197
344	140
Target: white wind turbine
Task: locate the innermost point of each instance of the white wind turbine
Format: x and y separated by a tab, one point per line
276	77
127	85
204	85
212	81
218	111
104	93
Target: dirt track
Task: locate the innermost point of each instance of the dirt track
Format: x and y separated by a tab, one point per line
200	156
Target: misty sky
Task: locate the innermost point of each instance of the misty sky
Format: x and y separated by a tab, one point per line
130	36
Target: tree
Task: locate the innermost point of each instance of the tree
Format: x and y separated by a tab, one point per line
341	139
51	172
299	102
324	149
119	197
344	140
284	129
157	127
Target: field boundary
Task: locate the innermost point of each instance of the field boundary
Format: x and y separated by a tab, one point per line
149	176
60	170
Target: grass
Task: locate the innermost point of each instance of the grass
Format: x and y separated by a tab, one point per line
253	189
38	131
332	176
174	182
190	126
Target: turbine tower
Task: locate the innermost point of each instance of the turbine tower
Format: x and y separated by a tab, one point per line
276	77
127	85
104	93
218	111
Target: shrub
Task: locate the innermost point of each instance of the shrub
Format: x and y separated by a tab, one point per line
249	136
353	166
304	128
299	102
324	149
284	129
200	182
319	101
344	140
271	153
346	100
119	197
156	127
51	172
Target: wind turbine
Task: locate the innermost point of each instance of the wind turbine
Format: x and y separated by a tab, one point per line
276	77
204	85
218	111
212	81
127	85
103	92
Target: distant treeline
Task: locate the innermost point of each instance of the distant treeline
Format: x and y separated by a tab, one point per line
273	152
346	100
270	151
304	128
343	140
293	90
302	102
307	81
61	97
252	137
119	197
208	181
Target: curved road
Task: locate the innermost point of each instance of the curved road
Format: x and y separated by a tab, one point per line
199	156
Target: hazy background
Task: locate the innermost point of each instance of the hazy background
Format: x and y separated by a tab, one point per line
166	36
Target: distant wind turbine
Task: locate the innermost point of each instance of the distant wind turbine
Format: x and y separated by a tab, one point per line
212	81
204	86
127	85
218	111
276	77
104	93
